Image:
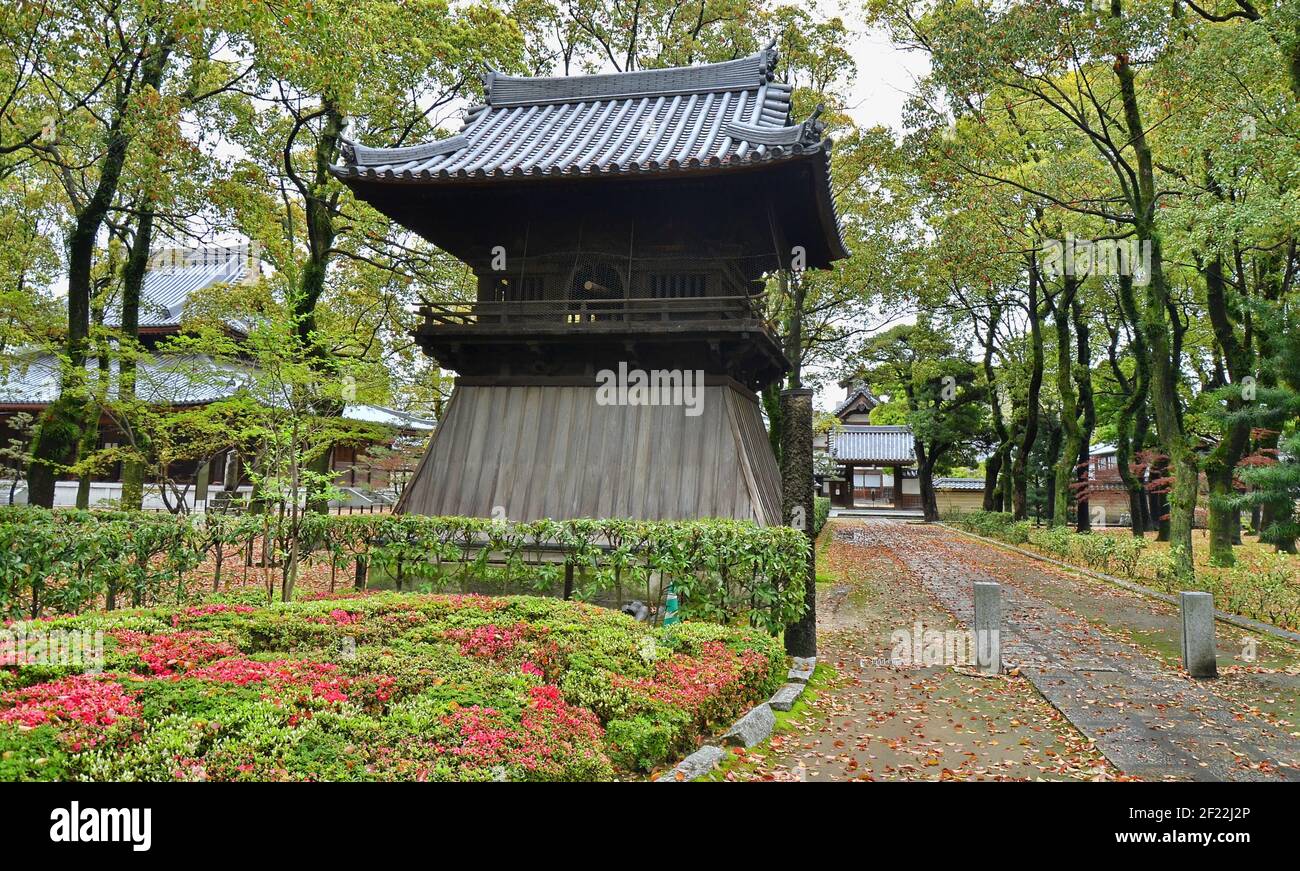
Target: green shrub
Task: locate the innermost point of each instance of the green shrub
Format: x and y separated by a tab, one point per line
68	561
642	743
386	687
821	513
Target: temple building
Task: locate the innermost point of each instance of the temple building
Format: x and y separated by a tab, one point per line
168	379
874	466
620	230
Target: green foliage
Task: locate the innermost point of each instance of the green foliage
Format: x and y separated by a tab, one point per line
385	687
821	513
641	743
722	570
1266	592
1115	554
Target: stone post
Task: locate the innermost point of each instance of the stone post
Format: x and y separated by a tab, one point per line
202	477
797	506
988	627
1198	634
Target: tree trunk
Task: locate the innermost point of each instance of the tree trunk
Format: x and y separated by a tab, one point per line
929	503
992	470
58	439
133	274
1072	433
1020	468
1155	323
797	508
1083	375
1053	454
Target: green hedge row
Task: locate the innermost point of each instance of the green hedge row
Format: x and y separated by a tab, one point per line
1263	587
67	561
1115	554
821	513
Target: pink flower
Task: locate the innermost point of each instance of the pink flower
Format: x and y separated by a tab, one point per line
167	653
80	705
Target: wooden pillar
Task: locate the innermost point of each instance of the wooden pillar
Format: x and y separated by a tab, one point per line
898	486
797	507
849	475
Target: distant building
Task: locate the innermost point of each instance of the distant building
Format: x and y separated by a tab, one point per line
30	382
953	495
874	464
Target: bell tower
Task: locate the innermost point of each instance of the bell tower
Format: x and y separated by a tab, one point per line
619	230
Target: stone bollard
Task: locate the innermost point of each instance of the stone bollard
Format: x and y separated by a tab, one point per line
1198	634
988	627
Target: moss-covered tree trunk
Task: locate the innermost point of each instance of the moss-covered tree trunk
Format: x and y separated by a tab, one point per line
58	439
797	507
320	199
1020	468
1157	329
133	274
1072	433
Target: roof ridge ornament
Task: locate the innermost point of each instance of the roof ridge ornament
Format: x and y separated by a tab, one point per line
744	73
769	57
348	150
488	76
812	130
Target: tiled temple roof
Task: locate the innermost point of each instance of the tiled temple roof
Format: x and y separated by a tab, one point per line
873	444
708	116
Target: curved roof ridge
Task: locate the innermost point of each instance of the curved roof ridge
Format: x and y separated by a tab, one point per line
742	73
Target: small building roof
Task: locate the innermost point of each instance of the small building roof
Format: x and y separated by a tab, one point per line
965	484
860	398
873	444
175	380
175	274
165	379
393	417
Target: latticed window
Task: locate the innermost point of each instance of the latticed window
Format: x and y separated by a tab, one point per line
678	285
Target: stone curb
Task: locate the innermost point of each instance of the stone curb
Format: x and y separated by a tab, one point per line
1222	616
752	728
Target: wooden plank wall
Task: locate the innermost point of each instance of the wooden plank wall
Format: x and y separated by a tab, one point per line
552	451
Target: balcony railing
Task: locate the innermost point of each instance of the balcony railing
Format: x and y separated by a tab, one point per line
581	312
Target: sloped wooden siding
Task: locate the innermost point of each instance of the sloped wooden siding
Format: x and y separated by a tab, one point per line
552	451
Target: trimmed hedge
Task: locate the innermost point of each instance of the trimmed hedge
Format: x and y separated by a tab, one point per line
1263	588
721	570
378	687
821	513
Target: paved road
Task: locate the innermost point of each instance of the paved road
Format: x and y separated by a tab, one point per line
1149	720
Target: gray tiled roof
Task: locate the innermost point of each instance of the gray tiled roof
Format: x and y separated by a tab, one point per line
861	390
175	274
876	444
959	484
169	379
682	118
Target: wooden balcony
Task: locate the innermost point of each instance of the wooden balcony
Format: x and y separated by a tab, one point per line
581	314
723	335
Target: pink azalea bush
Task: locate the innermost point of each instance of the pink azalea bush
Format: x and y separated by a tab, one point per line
77	707
386	687
166	653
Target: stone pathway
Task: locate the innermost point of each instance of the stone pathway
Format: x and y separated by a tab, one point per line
1149	721
873	719
1103	657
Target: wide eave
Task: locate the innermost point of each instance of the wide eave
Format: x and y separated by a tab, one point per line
683	124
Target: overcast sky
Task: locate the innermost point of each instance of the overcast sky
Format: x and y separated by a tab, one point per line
886	76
